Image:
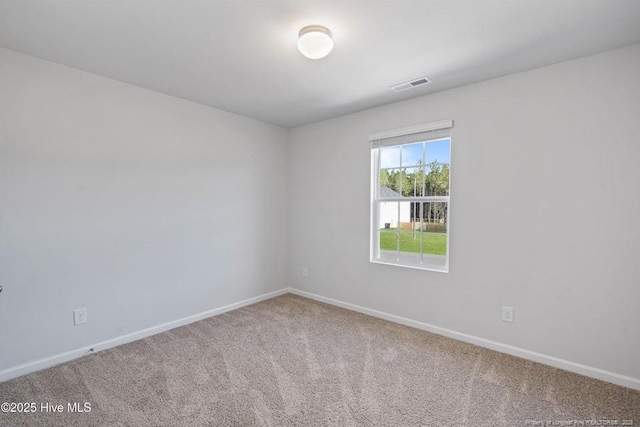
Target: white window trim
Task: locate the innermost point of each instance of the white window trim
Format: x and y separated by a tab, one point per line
374	200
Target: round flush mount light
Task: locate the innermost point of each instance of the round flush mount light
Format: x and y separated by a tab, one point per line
314	41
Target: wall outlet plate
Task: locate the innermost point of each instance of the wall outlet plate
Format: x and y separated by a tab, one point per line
507	314
80	316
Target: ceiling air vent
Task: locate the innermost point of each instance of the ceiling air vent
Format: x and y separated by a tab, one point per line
413	83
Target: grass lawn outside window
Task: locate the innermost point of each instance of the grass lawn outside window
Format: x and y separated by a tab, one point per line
432	243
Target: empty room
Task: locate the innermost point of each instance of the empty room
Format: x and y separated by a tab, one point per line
319	213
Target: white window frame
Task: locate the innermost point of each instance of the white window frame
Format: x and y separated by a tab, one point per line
376	199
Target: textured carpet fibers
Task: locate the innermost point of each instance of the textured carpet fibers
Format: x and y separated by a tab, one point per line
290	361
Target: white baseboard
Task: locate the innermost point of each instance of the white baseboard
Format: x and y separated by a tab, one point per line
578	368
37	365
544	359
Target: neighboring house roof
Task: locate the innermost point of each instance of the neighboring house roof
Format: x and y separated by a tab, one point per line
387	192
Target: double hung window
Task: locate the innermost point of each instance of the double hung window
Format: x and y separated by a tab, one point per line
410	190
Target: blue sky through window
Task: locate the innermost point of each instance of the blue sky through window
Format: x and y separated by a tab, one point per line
438	151
412	153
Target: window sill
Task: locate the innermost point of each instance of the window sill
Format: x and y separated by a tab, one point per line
428	267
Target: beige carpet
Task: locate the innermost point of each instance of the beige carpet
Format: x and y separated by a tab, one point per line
291	361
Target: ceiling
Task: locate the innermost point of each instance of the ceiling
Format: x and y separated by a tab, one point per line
241	56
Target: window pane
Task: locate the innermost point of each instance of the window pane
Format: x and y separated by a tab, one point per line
397	221
438	151
388	231
412	154
409	232
437	159
436	179
390	183
406	237
434	226
411	182
390	157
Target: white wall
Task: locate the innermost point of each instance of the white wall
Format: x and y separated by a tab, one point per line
545	211
141	207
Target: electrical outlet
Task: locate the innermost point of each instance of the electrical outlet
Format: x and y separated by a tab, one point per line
305	272
507	314
80	316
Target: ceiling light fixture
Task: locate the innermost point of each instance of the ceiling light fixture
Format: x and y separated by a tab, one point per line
314	41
